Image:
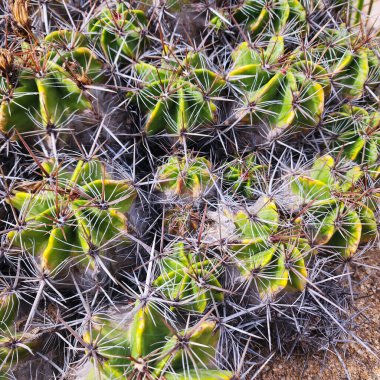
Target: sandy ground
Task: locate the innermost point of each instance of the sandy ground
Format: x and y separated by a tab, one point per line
360	364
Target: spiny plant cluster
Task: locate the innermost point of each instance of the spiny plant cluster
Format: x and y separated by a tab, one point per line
187	187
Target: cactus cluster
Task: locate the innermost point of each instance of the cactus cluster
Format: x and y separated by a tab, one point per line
186	188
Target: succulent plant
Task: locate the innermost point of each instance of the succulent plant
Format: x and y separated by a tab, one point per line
177	96
120	32
335	216
277	92
148	346
183	183
346	58
20	347
189	278
242	174
72	216
354	133
185	176
49	85
265	255
271	17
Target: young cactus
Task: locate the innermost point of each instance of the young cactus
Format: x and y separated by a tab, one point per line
185	177
74	216
147	346
177	96
267	257
334	215
277	92
354	133
120	33
183	183
50	86
242	174
346	58
189	279
262	17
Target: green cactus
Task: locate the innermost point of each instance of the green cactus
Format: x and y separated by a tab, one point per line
355	133
150	347
71	215
184	182
120	32
185	177
241	175
271	17
265	255
188	279
277	91
50	84
176	97
346	58
335	216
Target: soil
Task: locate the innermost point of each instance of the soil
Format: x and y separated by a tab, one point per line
355	362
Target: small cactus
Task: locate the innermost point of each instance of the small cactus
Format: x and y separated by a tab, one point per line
270	17
49	87
276	95
332	218
185	176
19	348
71	215
177	97
183	183
119	32
138	348
354	133
189	279
265	255
346	58
242	174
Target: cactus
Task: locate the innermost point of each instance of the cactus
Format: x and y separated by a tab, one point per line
140	349
278	94
20	348
71	215
354	133
50	85
185	177
120	32
346	57
265	255
271	17
334	219
177	97
242	174
183	183
189	279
